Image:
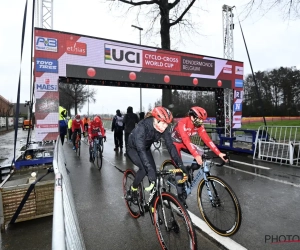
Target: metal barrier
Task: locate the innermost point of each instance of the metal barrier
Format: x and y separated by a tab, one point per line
66	233
278	143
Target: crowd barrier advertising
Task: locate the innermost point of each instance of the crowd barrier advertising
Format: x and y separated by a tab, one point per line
61	54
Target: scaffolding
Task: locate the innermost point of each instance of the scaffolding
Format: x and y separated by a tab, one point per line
228	27
44	14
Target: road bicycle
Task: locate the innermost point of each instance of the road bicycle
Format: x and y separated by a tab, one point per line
97	151
78	143
172	222
218	204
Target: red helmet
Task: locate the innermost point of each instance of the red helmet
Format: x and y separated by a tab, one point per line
198	112
162	114
97	119
77	117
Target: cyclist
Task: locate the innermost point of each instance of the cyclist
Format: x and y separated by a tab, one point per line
186	127
191	125
85	121
77	126
95	129
147	131
70	128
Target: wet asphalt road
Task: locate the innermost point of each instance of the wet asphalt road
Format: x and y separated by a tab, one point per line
269	199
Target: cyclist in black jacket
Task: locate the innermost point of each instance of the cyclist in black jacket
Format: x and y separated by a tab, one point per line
147	131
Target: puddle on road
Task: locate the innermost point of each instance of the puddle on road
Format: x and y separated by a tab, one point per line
7	145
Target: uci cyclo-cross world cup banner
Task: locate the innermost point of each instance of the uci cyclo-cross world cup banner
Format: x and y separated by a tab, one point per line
61	54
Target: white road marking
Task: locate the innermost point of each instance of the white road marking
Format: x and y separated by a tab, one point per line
251	165
266	177
224	241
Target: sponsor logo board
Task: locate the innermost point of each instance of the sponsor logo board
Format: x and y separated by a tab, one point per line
124	56
156	60
238	83
237	107
197	66
239	70
76	48
227	69
46	44
237	119
46	65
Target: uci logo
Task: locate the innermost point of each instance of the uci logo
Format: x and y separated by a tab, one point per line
122	55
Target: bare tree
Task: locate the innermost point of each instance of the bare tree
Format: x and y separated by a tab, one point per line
75	96
290	9
170	14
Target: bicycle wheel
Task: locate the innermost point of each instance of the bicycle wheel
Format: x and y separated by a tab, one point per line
99	158
128	179
157	144
78	148
169	181
101	145
173	224
222	214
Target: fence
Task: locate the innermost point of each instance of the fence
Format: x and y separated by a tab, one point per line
66	233
278	143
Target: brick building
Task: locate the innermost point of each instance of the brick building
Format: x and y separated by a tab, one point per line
6	107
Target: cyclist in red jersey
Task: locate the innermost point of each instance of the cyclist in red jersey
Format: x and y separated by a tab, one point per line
191	125
182	131
95	129
77	124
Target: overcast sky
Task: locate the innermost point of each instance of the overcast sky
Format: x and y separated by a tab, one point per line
272	42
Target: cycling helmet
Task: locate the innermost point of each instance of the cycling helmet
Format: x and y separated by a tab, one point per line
77	117
97	119
198	112
162	114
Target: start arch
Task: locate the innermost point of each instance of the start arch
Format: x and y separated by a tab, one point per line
62	57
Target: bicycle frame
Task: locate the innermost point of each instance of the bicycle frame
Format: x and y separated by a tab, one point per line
78	140
202	171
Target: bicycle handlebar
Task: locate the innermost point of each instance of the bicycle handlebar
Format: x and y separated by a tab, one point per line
175	170
226	157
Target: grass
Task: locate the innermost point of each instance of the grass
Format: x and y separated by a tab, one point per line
256	125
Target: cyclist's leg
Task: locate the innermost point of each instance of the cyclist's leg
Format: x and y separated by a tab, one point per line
91	149
70	134
180	187
141	173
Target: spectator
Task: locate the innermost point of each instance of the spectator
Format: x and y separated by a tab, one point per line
117	127
129	120
70	128
63	126
142	116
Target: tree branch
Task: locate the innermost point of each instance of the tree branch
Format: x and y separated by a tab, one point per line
139	3
172	5
183	13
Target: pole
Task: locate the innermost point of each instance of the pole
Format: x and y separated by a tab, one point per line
88	100
140	29
141	88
